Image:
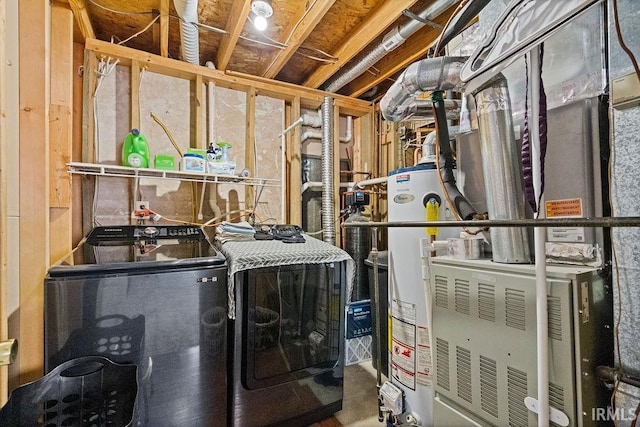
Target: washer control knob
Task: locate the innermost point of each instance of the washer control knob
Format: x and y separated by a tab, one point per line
150	231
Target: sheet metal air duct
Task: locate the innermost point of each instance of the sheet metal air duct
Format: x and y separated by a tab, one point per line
502	174
389	42
328	217
188	12
441	73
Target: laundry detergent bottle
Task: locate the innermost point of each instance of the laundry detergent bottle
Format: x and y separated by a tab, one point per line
135	150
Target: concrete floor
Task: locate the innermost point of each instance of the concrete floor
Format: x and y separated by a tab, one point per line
359	407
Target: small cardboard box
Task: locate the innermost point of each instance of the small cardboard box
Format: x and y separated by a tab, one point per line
163	162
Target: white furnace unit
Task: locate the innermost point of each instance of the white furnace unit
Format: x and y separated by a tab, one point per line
484	323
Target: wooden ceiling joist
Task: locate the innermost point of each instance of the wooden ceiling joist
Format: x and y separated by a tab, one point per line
164	28
415	48
366	32
298	35
79	8
237	18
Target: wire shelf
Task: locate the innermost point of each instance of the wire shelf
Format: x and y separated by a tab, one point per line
129	172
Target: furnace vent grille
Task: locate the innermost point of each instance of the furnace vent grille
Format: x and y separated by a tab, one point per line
516	392
555	318
487	302
462	299
489	386
515	309
556	396
463	374
442	292
442	361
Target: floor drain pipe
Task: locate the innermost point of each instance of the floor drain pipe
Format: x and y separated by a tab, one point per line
328	219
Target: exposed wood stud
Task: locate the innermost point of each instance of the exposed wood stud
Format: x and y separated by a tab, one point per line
34	30
164	28
197	101
79	8
135	94
3	200
336	173
250	145
294	158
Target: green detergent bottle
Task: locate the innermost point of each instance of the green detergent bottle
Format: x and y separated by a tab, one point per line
135	150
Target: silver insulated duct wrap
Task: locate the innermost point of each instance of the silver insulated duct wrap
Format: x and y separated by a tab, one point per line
328	220
502	174
441	73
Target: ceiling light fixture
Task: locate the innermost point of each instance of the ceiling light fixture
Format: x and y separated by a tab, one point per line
263	10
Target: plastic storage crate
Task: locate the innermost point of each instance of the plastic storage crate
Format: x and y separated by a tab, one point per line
87	391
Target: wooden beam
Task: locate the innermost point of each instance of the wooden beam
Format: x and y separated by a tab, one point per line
364	34
164	28
237	17
197	102
34	27
311	98
135	95
250	146
294	166
76	154
4	327
415	48
79	8
297	36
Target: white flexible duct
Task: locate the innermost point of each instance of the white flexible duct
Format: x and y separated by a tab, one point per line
188	12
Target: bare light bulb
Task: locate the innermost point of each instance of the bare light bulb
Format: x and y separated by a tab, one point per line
260	22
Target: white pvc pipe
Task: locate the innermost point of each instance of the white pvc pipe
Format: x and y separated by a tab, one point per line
540	234
372	181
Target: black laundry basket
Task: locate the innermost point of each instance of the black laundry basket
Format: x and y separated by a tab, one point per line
87	391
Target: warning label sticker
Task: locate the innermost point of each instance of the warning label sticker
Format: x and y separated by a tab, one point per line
423	357
564	208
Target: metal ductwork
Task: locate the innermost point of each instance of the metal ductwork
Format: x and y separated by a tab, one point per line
441	73
188	12
328	217
501	169
390	41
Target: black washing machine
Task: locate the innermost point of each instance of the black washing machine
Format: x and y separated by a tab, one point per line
151	296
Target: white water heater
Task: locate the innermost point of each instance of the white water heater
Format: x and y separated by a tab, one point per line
410	364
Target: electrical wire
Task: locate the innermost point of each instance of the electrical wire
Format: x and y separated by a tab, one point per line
291	33
120	12
623	45
153	21
444	28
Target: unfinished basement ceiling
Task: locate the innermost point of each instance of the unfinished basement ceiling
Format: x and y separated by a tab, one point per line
316	38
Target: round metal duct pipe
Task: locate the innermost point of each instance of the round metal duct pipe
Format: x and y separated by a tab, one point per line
502	174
